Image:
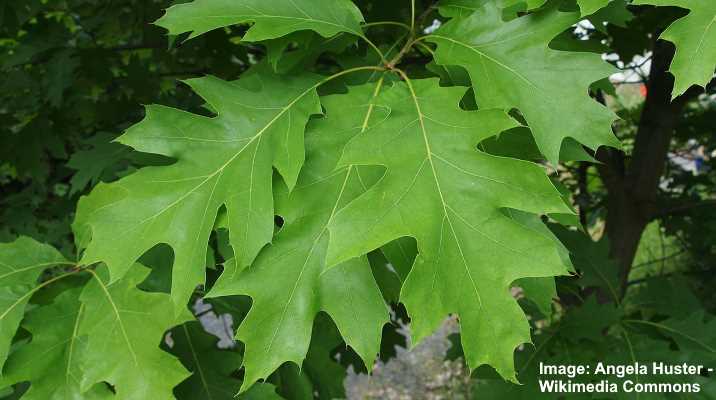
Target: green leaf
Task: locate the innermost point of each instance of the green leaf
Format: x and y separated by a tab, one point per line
450	75
540	291
665	296
222	161
261	391
211	367
695	38
60	75
590	321
391	266
308	47
694	333
91	164
21	263
447	195
589	7
549	87
288	282
271	19
592	260
401	253
615	13
458	8
293	384
385	276
325	373
519	143
50	360
124	327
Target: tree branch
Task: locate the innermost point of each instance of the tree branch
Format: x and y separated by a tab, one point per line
684	208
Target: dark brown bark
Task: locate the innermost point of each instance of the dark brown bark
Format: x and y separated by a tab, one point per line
632	185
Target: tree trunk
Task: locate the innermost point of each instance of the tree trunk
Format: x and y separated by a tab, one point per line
632	186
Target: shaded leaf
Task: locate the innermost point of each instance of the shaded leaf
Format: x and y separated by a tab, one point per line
211	367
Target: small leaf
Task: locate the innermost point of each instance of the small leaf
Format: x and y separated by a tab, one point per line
592	260
91	164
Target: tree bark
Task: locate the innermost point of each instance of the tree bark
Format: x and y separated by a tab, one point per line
633	185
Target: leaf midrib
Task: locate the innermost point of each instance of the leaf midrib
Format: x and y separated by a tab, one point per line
437	182
364	125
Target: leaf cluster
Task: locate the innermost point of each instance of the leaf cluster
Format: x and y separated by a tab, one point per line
344	160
